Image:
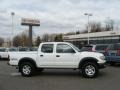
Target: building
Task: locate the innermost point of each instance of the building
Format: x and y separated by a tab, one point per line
105	37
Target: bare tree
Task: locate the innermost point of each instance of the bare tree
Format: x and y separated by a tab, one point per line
45	37
1	41
21	40
95	27
59	38
38	41
109	25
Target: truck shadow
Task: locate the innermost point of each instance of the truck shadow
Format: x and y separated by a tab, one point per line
115	65
66	73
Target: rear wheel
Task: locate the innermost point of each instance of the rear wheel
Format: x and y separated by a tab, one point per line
27	69
90	70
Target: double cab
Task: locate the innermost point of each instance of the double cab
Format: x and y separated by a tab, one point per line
58	55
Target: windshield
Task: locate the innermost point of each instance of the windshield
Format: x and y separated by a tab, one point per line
76	48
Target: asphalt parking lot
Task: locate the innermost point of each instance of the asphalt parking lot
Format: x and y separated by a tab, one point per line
53	79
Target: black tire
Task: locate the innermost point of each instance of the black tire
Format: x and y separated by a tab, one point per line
27	69
89	70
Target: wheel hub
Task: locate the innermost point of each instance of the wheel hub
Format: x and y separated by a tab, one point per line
26	69
90	70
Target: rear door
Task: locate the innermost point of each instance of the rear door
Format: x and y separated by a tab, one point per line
46	57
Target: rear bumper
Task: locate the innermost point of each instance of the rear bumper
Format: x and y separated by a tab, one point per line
12	63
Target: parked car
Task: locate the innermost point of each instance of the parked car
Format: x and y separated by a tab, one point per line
12	49
3	53
22	49
113	53
58	55
88	48
96	48
33	49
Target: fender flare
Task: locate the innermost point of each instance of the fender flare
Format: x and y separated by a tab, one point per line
87	59
27	59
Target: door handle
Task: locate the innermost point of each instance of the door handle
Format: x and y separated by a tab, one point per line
41	55
57	55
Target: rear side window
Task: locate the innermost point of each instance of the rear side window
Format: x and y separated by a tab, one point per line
117	46
114	47
101	47
47	48
111	47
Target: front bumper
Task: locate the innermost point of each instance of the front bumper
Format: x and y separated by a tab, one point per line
101	66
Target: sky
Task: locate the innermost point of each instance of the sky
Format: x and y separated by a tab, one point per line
56	16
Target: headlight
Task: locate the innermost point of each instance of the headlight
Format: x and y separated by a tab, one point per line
102	57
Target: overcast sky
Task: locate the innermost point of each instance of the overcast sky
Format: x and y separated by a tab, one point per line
56	16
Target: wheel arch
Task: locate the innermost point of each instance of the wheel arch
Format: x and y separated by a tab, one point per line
26	59
87	59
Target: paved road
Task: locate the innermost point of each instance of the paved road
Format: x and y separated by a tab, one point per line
108	79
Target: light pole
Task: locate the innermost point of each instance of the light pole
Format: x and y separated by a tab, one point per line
88	16
12	15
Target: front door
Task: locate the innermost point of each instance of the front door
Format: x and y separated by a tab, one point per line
66	56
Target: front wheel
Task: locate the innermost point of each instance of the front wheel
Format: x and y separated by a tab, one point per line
90	70
27	69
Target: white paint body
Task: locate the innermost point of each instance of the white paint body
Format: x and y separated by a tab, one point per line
3	52
49	60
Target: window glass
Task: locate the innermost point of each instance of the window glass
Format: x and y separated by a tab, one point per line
23	49
101	47
2	50
64	48
47	48
117	46
111	47
12	49
86	48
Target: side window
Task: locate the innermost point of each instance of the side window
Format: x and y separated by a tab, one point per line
47	48
64	48
111	47
117	46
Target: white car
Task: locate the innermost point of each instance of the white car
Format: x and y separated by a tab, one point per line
58	55
3	53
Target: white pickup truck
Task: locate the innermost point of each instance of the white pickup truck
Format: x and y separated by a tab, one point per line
58	55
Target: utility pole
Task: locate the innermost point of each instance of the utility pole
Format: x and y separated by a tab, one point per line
12	36
88	17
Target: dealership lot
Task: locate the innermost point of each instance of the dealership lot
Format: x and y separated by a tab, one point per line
54	79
